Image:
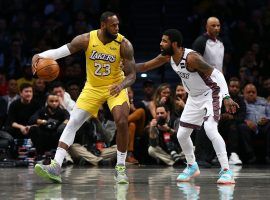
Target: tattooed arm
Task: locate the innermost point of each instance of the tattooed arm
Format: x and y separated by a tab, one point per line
127	53
196	62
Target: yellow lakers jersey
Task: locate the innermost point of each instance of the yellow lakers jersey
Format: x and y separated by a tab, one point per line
103	61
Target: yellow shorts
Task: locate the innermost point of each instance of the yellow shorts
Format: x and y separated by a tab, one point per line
92	98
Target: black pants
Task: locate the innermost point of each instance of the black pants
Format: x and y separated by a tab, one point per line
229	130
44	140
249	136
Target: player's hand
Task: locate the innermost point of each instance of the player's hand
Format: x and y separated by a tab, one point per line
226	116
35	60
115	89
230	105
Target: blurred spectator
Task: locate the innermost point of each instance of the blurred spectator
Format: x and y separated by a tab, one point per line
148	92
3	84
74	90
229	124
136	122
27	76
16	59
265	89
51	121
91	148
20	112
40	92
180	99
6	100
65	99
163	96
257	120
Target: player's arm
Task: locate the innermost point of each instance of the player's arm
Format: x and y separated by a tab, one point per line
152	64
196	62
128	61
78	43
127	54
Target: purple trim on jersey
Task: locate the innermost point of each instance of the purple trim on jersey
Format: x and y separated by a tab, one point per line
215	94
188	125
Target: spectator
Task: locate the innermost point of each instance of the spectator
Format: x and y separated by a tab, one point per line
229	124
180	99
3	84
257	120
136	122
91	148
40	92
50	121
6	100
27	75
20	112
265	89
74	90
65	99
162	95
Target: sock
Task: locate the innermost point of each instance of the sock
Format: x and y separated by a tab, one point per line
60	155
190	159
121	158
223	160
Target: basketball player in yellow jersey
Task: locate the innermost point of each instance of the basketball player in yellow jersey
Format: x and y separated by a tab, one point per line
106	81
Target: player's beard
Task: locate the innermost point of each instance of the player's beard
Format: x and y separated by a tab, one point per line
167	52
109	35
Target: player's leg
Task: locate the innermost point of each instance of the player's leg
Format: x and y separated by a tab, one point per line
191	118
192	169
52	171
120	111
89	101
210	126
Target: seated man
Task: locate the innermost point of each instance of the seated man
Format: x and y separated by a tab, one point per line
257	120
162	137
230	124
91	146
50	121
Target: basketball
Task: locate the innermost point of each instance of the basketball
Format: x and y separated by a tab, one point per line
47	69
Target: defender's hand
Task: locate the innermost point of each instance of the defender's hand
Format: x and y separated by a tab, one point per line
230	105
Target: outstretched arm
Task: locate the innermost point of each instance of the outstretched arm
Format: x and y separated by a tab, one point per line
152	64
127	54
78	43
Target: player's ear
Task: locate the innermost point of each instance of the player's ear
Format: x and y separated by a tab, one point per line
174	44
102	25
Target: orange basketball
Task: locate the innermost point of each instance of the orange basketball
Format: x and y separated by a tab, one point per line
47	69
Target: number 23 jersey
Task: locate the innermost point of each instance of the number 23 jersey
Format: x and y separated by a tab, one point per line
103	61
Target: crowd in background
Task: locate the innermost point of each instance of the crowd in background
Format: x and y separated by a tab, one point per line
33	109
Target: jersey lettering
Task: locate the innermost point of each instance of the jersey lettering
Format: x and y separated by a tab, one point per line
183	75
102	56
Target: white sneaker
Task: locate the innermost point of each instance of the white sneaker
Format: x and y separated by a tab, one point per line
234	159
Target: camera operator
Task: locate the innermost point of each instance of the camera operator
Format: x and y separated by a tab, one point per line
162	137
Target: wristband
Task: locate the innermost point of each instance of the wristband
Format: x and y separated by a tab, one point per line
227	97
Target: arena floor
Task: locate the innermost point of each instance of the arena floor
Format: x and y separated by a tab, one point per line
146	182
